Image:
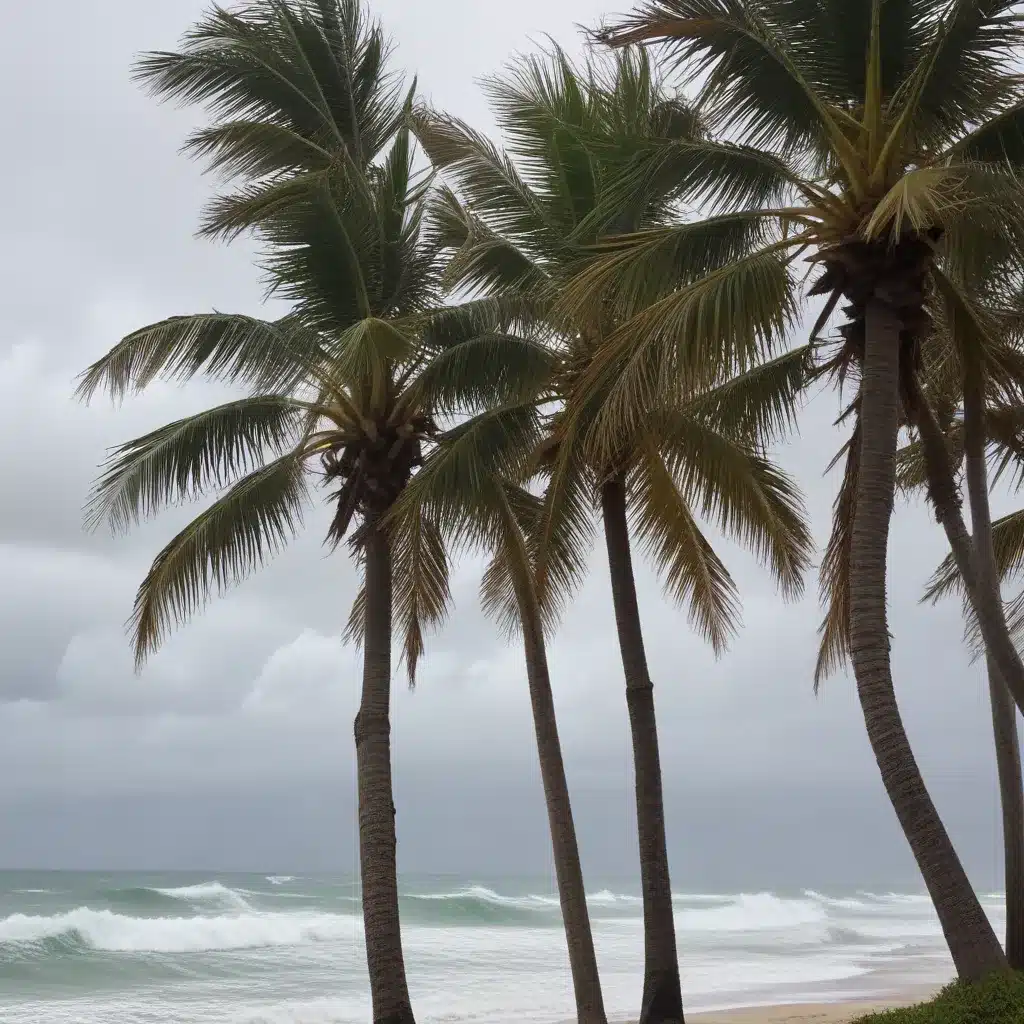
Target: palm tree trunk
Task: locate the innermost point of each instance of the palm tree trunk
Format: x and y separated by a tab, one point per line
972	942
980	574
1011	796
966	551
568	871
662	996
1004	718
388	986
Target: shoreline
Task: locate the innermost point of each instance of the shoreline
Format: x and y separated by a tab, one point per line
844	1012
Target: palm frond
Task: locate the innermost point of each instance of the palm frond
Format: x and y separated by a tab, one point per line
706	331
694	576
565	525
760	405
834	572
733	485
317	70
221	546
224	346
490	369
420	582
183	459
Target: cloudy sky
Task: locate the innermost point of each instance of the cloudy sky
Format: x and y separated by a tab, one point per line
233	749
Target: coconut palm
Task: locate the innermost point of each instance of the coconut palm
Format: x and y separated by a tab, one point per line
875	137
457	489
519	223
309	116
1000	434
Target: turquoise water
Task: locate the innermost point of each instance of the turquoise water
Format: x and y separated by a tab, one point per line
89	948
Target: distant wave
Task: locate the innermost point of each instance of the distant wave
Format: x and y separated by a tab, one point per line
211	916
108	931
280	879
209	896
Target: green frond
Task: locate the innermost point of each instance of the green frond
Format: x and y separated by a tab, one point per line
363	358
188	457
760	405
1008	545
221	546
490	369
487	180
722	324
564	532
493	445
315	69
973	71
508	592
754	83
733	485
631	272
420	582
834	571
480	259
255	204
694	576
717	176
999	140
224	346
456	324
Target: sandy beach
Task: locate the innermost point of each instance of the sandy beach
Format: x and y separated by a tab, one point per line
811	1013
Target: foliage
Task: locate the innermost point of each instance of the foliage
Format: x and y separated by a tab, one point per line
308	114
519	224
999	999
880	141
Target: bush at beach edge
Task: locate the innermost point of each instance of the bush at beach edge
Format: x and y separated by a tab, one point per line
997	1000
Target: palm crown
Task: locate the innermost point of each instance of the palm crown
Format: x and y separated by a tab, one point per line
879	140
519	225
335	388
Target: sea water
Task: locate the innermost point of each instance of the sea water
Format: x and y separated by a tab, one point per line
86	948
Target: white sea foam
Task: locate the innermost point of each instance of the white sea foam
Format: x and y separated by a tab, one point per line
215	892
280	879
117	933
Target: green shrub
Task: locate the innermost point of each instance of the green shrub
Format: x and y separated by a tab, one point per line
997	1000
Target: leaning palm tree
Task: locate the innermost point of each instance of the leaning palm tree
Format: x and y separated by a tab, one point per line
519	224
1000	436
875	137
458	489
309	116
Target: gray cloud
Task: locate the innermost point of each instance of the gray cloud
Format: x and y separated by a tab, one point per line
233	748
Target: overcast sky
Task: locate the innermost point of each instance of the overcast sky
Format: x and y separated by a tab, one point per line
234	748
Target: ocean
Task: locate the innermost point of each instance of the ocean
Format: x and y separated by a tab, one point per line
89	948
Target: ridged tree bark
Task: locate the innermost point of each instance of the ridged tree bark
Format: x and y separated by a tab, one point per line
943	492
662	996
377	839
1011	797
1004	719
972	942
572	895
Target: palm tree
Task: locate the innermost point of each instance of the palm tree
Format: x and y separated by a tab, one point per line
308	114
519	225
473	507
1000	433
875	136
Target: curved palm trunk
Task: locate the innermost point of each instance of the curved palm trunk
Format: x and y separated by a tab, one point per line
979	574
572	895
377	842
662	997
942	488
972	942
1004	718
1011	796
